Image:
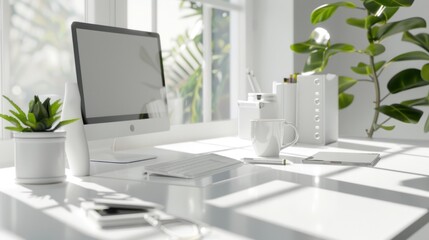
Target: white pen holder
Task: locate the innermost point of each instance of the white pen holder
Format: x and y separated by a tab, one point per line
286	99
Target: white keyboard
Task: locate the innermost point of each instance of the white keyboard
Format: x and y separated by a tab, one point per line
199	166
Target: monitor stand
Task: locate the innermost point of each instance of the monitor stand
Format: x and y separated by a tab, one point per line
110	156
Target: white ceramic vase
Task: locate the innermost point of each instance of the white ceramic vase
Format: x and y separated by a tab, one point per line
76	145
39	157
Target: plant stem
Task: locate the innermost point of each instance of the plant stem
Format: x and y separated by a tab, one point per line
385	121
377	101
382	99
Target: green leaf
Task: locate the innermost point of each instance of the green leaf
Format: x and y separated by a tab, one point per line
50	121
374	49
421	39
54	107
387	128
344	100
335	49
31	118
46	105
31	106
314	62
362	69
379	65
20	113
415	55
426	128
11	120
385	16
371	20
40	127
402	113
395	3
31	125
345	83
390	29
365	69
306	47
384	13
300	47
36	111
339	48
16	129
325	11
63	123
417	102
356	22
27	129
425	72
20	117
406	79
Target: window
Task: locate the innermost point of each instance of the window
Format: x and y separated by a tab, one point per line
200	41
197	46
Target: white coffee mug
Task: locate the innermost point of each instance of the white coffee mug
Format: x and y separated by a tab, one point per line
268	136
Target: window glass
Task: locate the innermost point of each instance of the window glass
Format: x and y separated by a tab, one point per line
180	24
180	28
221	46
139	14
41	52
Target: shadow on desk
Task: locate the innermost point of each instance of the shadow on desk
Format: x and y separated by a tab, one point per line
32	222
421	183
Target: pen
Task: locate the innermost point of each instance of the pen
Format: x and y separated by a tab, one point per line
249	78
277	161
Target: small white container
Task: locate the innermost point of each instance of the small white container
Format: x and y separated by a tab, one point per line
257	106
39	157
286	101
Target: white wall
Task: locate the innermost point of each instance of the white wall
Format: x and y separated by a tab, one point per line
272	36
357	117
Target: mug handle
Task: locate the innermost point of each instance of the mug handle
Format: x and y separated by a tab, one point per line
286	124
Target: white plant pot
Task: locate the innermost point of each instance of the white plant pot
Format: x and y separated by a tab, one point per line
39	157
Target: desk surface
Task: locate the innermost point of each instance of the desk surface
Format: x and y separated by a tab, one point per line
299	201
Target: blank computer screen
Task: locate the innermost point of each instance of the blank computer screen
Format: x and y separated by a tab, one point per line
121	74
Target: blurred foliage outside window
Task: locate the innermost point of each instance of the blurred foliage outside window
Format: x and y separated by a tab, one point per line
183	65
41	51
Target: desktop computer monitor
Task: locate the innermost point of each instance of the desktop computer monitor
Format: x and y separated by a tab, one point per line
121	81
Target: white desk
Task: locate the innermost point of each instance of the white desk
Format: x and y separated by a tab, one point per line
297	201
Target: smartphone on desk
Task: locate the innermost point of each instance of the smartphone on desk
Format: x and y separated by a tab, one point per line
113	213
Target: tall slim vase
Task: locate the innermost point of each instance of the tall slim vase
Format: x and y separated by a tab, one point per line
76	144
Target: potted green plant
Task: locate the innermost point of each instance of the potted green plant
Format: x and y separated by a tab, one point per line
376	25
39	147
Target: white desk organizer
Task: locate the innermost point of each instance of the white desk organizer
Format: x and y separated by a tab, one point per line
257	106
317	109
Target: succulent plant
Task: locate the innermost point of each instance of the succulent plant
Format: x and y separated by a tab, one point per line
41	117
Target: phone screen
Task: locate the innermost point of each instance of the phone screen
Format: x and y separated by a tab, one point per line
119	211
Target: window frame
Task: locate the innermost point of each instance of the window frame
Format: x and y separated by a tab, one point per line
114	12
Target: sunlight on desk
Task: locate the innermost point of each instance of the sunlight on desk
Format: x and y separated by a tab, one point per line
311	210
193	147
205	146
